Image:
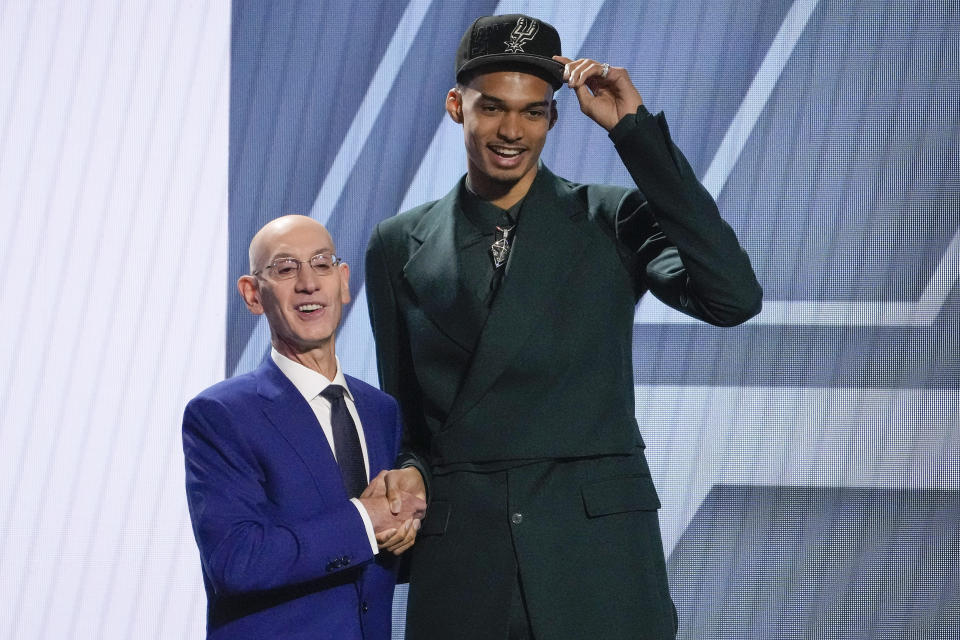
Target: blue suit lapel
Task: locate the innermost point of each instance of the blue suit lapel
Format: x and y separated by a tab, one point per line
292	417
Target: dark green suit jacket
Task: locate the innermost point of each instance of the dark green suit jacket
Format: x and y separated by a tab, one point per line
529	428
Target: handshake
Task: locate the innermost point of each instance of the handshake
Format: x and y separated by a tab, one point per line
395	500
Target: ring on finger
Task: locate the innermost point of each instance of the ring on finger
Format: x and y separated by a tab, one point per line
605	70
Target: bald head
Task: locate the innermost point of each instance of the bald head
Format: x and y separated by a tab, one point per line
303	305
280	233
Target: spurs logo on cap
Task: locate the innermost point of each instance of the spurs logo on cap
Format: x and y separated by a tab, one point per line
522	33
512	42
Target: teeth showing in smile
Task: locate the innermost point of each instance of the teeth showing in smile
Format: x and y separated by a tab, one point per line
309	307
506	153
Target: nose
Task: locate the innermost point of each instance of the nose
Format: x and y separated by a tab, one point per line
510	129
307	280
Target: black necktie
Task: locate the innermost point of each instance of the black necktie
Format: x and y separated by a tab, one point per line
346	442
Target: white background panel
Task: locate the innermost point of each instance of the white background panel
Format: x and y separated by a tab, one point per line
113	182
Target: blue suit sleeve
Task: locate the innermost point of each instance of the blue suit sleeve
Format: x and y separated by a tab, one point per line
247	541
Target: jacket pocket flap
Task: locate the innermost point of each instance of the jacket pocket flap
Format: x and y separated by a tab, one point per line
435	522
618	495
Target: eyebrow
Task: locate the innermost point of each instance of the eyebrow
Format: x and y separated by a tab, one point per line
531	105
287	254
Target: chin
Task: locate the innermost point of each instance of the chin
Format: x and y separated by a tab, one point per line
508	177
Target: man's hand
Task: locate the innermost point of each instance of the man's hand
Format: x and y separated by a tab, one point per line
395	532
398	540
606	100
403	493
395	481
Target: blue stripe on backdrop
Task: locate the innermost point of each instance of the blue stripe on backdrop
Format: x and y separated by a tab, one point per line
698	83
299	71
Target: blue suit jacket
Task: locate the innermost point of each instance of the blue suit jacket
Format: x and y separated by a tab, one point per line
284	552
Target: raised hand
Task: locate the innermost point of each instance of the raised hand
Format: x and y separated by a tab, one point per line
606	93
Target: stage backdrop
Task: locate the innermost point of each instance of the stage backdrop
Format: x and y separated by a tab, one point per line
808	461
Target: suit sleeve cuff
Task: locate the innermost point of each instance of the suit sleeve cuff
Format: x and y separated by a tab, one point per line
628	123
367	524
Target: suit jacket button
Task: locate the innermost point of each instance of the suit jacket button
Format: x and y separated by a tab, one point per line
516	518
345	560
364	607
332	565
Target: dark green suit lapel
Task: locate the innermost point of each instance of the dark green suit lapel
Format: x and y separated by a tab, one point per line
433	271
546	252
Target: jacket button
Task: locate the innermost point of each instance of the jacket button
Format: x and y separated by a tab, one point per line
516	518
345	561
364	607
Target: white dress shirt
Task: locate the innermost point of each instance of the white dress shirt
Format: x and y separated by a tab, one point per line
310	384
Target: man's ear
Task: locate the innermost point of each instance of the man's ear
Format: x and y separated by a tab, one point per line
454	105
250	292
344	276
553	114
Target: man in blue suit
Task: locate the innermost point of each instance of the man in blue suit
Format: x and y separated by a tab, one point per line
293	541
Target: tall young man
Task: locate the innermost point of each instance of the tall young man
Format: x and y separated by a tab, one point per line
503	315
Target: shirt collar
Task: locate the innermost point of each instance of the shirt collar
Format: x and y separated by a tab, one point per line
484	215
307	381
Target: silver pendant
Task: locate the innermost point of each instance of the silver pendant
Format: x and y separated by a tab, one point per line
501	246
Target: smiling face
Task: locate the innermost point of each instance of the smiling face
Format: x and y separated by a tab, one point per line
303	311
505	116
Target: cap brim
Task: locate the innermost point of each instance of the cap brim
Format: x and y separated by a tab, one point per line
549	70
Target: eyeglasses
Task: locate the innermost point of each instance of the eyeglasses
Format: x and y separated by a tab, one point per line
286	268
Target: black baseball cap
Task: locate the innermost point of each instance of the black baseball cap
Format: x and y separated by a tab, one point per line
510	42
